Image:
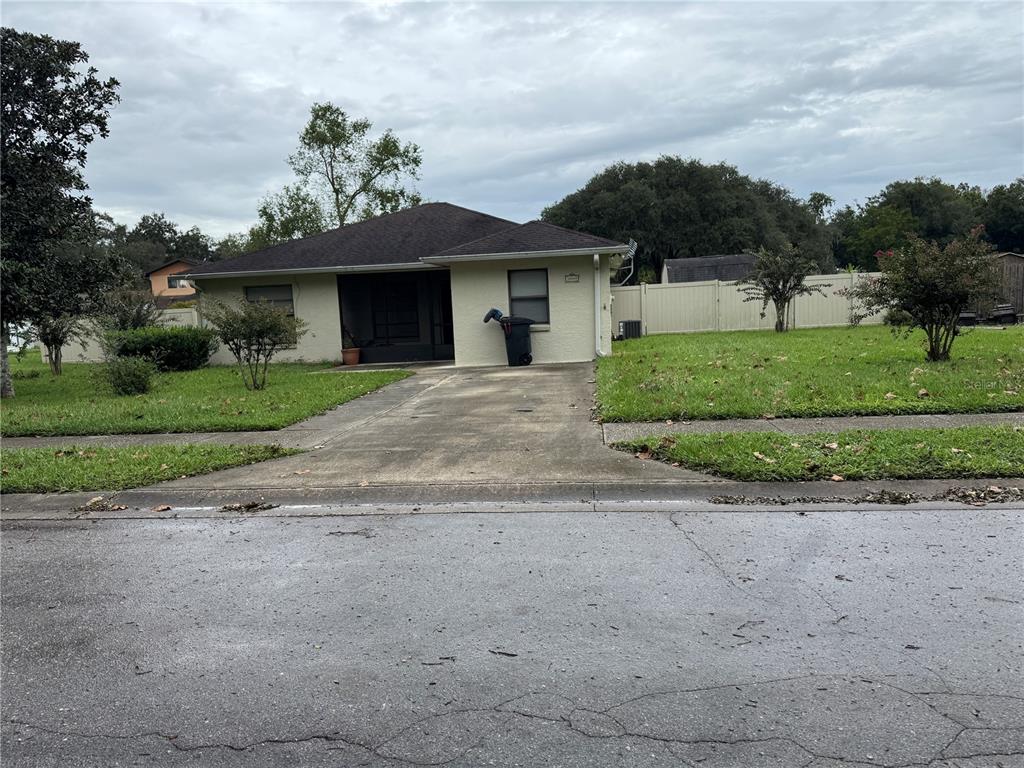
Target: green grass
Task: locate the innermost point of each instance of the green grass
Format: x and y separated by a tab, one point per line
208	400
856	454
813	372
90	468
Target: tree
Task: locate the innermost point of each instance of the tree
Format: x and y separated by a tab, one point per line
55	333
819	203
931	284
358	176
676	208
1003	214
126	308
254	331
929	208
293	212
778	277
53	107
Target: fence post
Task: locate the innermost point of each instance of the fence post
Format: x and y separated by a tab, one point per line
718	305
643	308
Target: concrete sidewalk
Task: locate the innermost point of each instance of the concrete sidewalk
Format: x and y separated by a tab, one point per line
619	432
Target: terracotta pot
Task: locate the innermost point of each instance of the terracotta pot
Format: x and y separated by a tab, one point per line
350	356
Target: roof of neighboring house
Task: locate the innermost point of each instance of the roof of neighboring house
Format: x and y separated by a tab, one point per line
395	238
732	266
171	263
414	236
532	237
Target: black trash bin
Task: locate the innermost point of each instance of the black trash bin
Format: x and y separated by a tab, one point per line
517	339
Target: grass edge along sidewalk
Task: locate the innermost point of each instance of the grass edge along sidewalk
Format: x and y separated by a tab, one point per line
857	454
91	468
865	371
211	399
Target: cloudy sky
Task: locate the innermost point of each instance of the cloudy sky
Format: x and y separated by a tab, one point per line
518	104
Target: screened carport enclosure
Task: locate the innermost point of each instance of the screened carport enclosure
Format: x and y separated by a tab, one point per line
397	317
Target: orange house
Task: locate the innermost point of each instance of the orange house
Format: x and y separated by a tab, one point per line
165	284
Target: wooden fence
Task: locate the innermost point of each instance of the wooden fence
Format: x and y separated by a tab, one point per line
714	305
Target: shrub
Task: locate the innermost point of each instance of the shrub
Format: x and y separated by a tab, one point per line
171	349
129	375
254	332
927	286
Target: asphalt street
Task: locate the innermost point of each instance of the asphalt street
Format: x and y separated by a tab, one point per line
713	639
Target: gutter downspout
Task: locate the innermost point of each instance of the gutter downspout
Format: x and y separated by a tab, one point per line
597	306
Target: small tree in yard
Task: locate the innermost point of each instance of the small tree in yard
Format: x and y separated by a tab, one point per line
55	333
930	285
778	278
254	332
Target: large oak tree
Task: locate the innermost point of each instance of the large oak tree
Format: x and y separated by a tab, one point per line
676	208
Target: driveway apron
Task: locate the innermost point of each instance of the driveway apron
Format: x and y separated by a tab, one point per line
478	425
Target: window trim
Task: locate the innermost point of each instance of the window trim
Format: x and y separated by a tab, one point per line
534	297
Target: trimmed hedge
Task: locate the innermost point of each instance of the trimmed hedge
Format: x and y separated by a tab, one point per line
182	348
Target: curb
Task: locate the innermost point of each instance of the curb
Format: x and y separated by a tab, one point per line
158	503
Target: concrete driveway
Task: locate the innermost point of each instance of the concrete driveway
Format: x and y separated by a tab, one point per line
453	426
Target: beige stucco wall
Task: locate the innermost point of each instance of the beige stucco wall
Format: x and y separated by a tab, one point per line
316	302
478	286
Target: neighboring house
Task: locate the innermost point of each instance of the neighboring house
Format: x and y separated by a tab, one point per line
416	284
168	283
735	266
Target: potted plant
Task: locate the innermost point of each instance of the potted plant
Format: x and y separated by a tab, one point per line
349	348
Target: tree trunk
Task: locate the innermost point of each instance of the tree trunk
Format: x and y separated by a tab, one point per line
6	383
56	356
780	318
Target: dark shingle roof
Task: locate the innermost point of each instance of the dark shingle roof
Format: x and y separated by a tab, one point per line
735	266
396	238
534	236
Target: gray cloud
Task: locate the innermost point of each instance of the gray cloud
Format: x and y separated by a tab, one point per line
518	104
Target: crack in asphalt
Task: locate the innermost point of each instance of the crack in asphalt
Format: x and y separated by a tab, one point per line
501	708
709	558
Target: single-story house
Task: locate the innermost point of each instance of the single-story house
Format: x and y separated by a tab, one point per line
416	284
727	267
168	283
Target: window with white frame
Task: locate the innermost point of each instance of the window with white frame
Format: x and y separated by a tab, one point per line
528	294
278	295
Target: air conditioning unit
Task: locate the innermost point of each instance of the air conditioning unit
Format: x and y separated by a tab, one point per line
630	329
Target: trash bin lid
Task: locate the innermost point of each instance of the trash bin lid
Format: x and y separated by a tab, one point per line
512	320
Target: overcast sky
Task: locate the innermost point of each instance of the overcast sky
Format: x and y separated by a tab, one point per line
518	104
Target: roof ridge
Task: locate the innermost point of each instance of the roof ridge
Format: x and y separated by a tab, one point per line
475	240
567	229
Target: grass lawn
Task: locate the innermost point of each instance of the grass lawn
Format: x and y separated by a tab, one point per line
208	400
857	454
812	372
77	468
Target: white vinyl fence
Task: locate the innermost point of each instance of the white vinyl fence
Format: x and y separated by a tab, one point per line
713	305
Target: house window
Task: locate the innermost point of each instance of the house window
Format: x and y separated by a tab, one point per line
528	294
173	281
278	295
